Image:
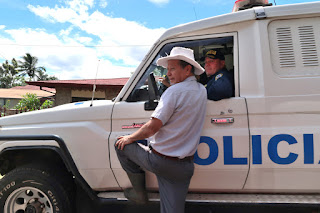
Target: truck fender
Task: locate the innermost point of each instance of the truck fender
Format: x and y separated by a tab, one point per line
61	149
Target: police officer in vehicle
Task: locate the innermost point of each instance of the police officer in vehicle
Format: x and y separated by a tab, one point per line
217	79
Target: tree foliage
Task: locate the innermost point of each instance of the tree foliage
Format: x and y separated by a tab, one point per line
28	66
47	104
9	74
13	74
31	102
45	77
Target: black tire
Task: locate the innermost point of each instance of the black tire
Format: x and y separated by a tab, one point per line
31	189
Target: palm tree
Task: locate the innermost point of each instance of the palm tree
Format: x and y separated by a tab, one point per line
45	77
42	76
28	66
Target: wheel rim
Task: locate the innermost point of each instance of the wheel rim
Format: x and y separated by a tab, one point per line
28	200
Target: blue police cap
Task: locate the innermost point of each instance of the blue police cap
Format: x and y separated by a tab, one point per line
215	54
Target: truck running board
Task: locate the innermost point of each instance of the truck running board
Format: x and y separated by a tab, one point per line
232	198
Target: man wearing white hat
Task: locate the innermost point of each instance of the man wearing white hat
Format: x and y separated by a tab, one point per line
175	125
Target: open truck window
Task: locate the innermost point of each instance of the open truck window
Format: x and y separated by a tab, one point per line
200	47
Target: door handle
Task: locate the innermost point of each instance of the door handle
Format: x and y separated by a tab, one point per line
222	120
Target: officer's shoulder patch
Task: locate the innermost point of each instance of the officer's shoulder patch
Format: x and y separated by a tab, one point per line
218	76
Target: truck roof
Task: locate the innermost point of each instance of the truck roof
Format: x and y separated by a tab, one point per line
241	16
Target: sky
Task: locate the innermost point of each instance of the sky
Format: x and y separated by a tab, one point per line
85	39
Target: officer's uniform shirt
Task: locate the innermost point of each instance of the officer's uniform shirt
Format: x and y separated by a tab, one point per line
219	85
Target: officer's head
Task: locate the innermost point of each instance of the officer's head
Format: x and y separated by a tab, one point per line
214	61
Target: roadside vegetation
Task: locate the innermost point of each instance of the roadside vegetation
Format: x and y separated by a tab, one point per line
31	102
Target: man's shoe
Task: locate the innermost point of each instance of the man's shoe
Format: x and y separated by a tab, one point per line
138	193
137	197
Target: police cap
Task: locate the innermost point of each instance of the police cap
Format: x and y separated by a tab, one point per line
215	54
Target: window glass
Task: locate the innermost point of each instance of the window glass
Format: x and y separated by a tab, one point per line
200	47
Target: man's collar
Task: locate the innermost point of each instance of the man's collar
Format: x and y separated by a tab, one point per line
190	78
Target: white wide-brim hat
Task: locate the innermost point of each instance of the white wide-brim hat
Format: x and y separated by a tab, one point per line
184	54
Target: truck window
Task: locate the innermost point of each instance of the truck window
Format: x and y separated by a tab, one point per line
200	47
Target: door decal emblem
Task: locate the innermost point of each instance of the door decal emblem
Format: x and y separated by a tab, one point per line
133	126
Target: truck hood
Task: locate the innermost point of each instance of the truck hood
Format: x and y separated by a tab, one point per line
80	111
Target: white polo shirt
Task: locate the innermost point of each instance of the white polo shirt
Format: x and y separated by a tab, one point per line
182	110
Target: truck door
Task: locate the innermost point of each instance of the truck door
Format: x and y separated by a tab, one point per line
221	162
223	153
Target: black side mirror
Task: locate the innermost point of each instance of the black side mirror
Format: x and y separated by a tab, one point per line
154	95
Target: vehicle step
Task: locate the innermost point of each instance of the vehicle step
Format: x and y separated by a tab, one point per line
231	198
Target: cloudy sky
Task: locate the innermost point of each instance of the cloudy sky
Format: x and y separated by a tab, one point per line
74	38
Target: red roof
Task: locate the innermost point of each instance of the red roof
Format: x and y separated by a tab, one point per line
85	83
32	87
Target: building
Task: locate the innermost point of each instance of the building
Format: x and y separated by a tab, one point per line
68	91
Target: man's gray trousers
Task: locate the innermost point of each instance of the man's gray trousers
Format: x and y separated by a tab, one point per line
173	175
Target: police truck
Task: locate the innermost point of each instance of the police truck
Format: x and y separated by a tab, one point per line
260	146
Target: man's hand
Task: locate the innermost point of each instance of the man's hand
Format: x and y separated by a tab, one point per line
146	131
123	140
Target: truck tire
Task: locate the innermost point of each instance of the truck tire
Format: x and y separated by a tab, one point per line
33	190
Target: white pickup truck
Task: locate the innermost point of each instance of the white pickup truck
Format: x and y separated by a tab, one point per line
260	146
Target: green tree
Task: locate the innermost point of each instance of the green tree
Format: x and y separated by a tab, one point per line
7	105
45	77
29	102
52	77
12	74
20	81
28	66
47	104
9	74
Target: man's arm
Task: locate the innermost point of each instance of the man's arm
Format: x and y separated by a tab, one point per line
146	131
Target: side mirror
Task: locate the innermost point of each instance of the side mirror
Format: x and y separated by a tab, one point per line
153	92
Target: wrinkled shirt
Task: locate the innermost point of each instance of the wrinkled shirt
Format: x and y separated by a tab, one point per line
182	110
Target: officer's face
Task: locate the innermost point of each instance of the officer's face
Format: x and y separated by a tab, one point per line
213	65
176	73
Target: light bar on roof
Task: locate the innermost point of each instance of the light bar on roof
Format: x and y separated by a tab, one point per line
245	4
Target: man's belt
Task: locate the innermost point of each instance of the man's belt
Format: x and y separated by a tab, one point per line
189	158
